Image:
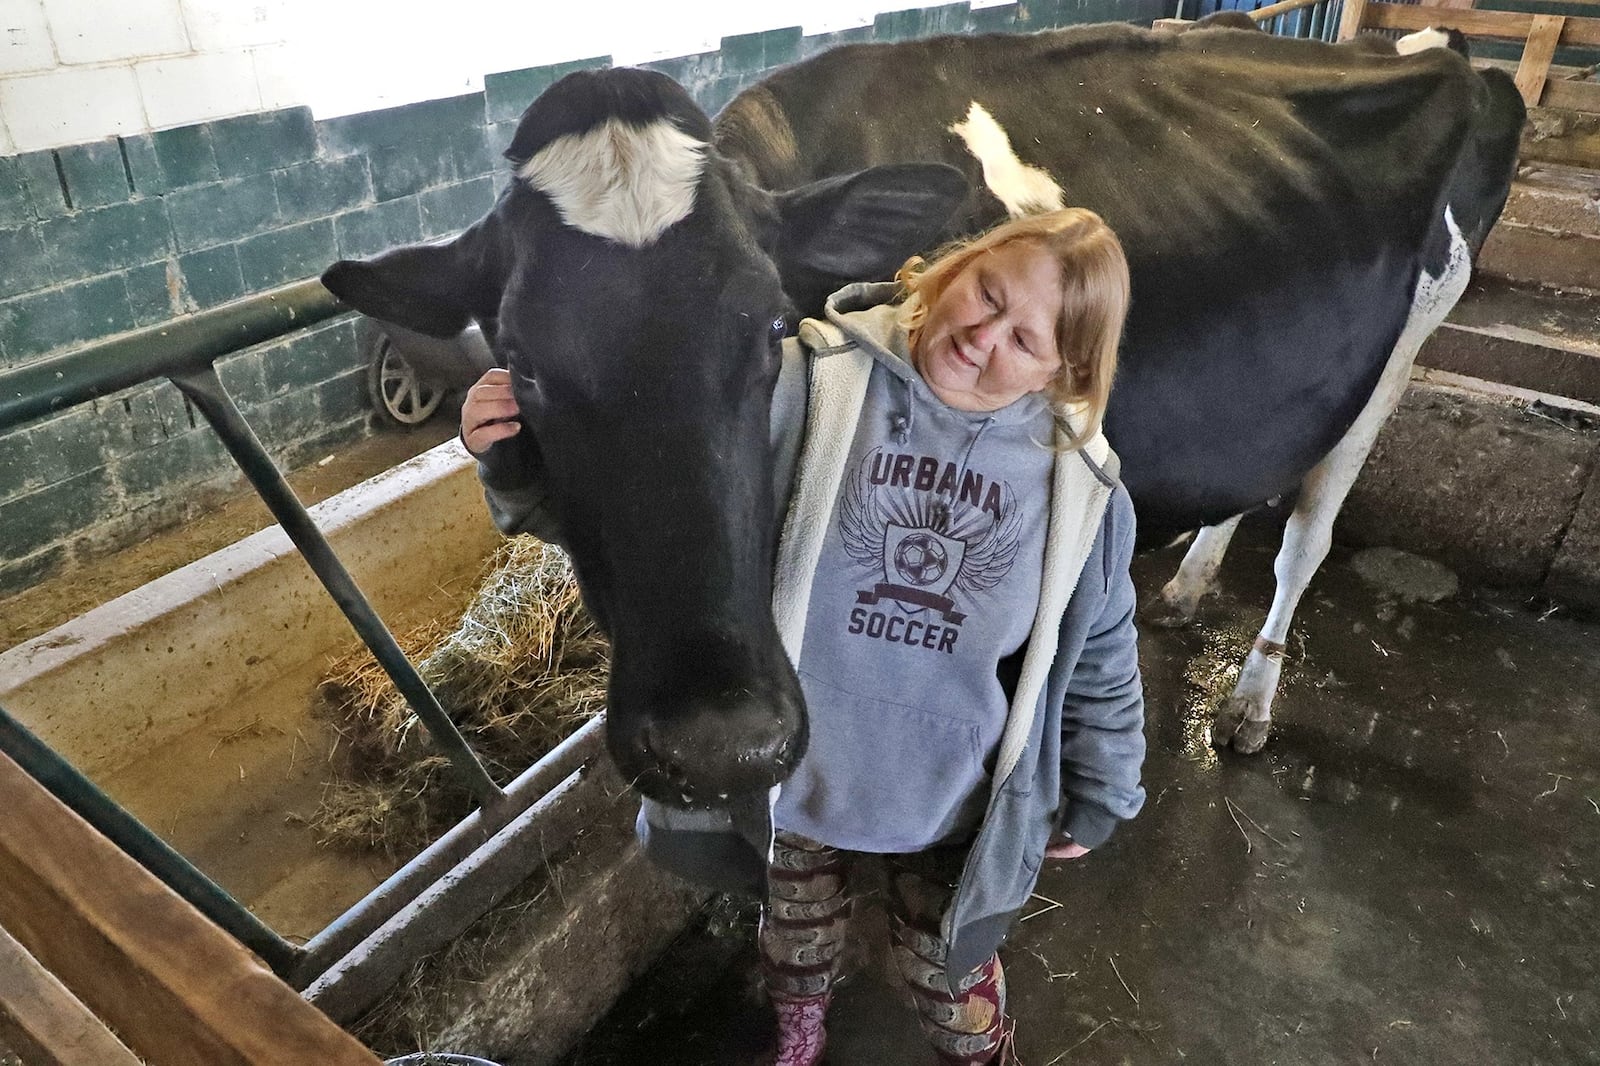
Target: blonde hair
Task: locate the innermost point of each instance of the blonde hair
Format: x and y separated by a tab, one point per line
1094	301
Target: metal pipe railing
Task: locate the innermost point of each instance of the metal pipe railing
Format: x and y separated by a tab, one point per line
58	382
185	351
405	885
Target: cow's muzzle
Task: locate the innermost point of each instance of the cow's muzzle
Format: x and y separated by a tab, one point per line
704	749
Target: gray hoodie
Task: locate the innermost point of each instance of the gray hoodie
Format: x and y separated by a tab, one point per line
1057	741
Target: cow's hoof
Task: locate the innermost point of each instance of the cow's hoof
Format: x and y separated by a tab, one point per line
1171	613
1232	726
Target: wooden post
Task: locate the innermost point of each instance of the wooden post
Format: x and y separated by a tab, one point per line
1350	19
178	990
39	1018
1536	56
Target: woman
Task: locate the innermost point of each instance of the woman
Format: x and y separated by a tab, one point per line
959	610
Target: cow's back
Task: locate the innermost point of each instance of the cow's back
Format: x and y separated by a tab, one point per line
1276	198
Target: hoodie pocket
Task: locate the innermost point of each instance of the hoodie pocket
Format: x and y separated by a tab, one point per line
881	776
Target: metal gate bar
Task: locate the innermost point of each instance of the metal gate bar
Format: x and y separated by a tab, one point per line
204	389
185	351
445	854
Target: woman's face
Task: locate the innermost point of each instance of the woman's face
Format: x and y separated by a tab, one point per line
989	339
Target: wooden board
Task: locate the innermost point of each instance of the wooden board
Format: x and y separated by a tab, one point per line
47	1024
1508	25
1536	56
1352	18
1572	95
179	990
1565	138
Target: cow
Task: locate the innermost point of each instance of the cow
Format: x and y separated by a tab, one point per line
629	277
1297	218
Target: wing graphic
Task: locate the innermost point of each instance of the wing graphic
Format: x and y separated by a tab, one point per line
990	555
862	520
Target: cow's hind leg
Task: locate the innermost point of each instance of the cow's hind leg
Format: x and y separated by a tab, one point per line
1247	715
1180	597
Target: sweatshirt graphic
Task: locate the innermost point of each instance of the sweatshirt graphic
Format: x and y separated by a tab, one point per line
931	531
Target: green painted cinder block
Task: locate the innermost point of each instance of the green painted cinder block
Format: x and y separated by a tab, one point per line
289	254
240	374
186	457
152	291
310	359
14	206
823	42
211	277
38	519
26	572
755	52
343	397
1001	19
43	183
144	169
224	211
95	174
185	156
61	447
393	127
922	22
398	172
22	262
322	187
154	412
474	154
255	144
510	92
72	314
455	207
108	238
377	228
497	139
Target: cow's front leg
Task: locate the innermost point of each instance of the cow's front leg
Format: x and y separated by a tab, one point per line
1196	576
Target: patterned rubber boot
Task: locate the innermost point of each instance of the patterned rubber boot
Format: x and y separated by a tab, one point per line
802	1036
969	1028
801	938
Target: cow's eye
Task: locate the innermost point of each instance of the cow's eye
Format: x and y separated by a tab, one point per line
780	326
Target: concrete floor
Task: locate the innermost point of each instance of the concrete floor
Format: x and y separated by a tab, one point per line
1407	874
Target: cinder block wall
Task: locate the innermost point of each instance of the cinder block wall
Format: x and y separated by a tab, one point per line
135	230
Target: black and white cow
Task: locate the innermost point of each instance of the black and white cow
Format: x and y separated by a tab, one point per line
629	278
1298	217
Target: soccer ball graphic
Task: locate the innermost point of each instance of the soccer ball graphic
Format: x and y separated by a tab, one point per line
921	559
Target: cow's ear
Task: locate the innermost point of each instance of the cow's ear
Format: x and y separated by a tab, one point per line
864	225
425	287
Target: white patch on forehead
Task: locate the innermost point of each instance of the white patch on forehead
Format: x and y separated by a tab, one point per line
1412	43
1024	189
622	182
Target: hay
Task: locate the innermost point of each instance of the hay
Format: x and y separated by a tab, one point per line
523	668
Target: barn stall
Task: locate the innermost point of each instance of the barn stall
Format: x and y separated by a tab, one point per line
1538	537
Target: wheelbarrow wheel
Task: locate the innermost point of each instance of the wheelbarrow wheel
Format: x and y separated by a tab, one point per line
400	395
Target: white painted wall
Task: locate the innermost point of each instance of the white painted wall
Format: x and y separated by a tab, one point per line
78	70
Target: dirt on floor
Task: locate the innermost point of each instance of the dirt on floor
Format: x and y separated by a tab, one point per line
1407	874
44	606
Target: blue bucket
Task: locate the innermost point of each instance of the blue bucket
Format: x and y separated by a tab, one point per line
434	1058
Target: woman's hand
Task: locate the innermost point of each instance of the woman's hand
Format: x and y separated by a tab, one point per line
1063	848
489	413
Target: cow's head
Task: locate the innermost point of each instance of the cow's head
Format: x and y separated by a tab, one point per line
629	277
